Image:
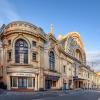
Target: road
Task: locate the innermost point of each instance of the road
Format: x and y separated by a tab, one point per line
71	95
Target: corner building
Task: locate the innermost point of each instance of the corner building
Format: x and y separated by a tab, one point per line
30	59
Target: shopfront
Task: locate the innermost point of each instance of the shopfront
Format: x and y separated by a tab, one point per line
79	83
51	82
22	81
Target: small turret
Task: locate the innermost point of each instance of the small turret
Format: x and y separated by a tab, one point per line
52	29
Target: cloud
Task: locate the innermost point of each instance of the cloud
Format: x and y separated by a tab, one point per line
7	12
93	59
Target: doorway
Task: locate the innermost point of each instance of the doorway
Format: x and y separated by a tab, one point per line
48	84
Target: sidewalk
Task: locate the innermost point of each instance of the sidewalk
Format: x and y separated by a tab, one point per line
54	92
36	93
2	91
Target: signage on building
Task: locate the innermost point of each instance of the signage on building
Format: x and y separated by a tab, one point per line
23	74
52	77
75	77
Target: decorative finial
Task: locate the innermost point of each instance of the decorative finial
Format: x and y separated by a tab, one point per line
60	37
52	29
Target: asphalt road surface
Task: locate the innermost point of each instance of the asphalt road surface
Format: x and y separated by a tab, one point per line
73	95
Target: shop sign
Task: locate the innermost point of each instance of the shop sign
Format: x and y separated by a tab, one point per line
23	74
52	77
75	77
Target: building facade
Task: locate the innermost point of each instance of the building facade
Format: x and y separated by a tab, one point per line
30	59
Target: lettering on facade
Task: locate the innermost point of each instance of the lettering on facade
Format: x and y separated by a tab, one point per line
23	74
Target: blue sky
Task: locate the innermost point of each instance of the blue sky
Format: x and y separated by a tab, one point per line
82	16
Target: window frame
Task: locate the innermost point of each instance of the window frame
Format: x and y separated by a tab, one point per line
64	68
31	82
21	51
34	43
35	57
9	55
51	61
12	81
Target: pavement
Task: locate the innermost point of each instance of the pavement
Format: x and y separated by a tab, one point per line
52	95
2	91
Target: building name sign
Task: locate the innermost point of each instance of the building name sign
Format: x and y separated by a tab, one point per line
52	77
23	74
75	77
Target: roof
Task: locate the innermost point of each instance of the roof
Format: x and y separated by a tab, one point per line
74	35
20	25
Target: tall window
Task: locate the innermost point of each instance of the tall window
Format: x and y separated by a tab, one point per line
33	44
13	81
64	69
34	56
21	51
52	60
9	42
9	55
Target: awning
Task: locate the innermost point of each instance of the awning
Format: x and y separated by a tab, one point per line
54	78
78	79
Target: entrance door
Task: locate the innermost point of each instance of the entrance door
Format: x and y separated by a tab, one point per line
64	86
48	84
22	82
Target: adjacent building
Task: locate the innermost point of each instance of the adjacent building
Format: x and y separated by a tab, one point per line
30	59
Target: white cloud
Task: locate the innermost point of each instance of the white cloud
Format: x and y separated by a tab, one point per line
7	12
93	59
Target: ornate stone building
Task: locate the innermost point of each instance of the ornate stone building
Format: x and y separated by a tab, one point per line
30	59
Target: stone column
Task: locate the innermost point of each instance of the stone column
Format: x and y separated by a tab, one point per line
36	83
60	81
41	79
8	83
41	66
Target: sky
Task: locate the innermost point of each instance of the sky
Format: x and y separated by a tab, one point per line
81	16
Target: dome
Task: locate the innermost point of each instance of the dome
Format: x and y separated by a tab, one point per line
23	26
21	22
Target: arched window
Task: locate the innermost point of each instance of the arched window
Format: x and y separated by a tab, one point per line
52	60
21	51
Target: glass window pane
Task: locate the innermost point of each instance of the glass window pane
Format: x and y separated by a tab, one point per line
29	82
21	50
33	43
19	82
34	56
26	58
24	82
33	82
14	81
51	61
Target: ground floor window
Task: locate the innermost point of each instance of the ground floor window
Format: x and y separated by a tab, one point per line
33	82
50	83
22	82
54	83
13	81
29	82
